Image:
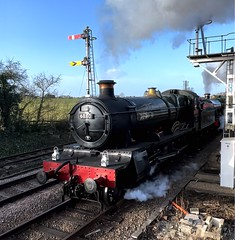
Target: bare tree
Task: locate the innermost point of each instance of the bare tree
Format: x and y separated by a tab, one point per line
12	78
28	95
43	85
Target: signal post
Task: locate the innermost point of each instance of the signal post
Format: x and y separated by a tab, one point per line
88	60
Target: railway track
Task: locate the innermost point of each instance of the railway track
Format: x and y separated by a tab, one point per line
64	221
22	163
15	189
69	221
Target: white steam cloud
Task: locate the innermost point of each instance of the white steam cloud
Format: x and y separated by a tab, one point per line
209	81
158	187
149	190
127	23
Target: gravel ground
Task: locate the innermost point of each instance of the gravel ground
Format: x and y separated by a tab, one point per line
167	225
14	214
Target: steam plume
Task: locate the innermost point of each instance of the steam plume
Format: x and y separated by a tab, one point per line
149	190
127	23
159	186
209	81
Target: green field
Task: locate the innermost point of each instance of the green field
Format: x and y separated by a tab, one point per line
54	109
53	127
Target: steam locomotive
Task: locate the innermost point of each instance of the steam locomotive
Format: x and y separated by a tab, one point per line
119	139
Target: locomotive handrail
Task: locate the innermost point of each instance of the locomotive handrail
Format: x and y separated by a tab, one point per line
61	166
219	42
137	110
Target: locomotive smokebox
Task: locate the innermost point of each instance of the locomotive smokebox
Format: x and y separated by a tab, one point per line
106	88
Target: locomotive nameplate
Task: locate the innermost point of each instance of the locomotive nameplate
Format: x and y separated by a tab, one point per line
142	116
86	115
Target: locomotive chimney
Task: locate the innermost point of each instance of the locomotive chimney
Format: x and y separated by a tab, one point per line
106	88
207	95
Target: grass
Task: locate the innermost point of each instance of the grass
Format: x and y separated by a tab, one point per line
16	143
55	131
54	109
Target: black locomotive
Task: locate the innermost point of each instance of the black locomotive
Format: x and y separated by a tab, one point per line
120	138
108	121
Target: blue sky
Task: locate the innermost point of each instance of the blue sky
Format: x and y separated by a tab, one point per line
135	46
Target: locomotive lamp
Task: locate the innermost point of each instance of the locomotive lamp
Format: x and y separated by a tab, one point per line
55	155
104	159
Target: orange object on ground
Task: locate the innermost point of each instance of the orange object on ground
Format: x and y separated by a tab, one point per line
179	207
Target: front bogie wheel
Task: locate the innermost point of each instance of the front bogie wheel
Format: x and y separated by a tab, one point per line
111	195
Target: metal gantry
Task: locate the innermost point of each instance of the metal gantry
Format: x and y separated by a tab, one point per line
220	49
88	61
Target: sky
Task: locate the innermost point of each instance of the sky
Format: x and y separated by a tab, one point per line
140	44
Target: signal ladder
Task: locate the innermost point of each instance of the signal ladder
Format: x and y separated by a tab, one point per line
229	130
91	67
88	60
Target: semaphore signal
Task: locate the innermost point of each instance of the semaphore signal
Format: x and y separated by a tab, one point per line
77	63
76	36
88	61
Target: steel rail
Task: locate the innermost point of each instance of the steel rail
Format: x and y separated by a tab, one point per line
25	192
26	224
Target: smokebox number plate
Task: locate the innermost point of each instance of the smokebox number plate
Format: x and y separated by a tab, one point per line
86	116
